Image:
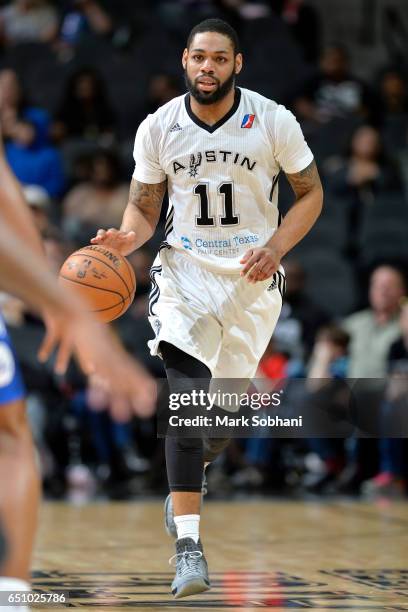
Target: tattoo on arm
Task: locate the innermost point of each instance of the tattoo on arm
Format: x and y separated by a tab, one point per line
147	198
304	181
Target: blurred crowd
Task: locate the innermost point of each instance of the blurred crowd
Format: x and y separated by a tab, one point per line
76	78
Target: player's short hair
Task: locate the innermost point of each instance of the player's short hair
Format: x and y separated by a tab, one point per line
216	25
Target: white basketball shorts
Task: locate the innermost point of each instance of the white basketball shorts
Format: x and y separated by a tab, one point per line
220	319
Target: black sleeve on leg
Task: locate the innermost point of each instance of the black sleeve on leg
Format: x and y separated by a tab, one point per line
184	456
185	463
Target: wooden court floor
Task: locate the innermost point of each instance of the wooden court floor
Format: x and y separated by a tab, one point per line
276	555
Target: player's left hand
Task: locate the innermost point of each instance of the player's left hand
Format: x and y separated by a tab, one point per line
260	264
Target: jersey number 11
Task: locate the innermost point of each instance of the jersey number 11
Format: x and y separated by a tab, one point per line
226	190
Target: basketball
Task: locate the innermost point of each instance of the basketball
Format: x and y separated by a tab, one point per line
103	278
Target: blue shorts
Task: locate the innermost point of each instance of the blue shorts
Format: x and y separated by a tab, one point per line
11	382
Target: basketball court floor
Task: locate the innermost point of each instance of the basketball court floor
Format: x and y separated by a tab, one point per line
275	555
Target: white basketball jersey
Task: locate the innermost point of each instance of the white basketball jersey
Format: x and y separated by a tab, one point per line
222	179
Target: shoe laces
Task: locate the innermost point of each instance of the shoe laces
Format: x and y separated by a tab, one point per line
186	561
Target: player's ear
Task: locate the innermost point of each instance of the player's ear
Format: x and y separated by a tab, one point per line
238	63
184	58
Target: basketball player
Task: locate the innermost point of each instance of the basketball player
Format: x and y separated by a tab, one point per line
24	272
217	281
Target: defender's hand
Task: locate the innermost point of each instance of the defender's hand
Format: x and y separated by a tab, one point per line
124	242
260	264
132	390
60	336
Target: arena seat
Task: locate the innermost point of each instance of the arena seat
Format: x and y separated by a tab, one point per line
328	269
384	230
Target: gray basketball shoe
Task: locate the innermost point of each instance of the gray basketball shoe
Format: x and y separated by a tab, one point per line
191	569
169	523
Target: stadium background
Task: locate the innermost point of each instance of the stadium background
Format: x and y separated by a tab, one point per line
76	78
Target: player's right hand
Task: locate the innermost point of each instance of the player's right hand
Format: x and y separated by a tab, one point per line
124	242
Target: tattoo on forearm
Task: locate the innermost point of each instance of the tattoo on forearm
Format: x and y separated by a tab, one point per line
304	181
146	197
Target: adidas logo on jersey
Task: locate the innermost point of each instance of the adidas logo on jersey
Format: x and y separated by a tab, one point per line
272	286
176	127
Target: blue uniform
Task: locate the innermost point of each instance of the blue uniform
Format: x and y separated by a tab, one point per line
11	382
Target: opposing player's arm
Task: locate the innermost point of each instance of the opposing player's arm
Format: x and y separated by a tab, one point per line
304	212
14	209
73	330
140	218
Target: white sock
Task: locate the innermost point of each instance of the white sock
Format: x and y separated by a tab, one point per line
14	584
7	583
188	526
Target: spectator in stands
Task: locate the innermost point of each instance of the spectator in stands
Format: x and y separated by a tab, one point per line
392	477
365	170
303	22
31	156
161	89
39	202
101	447
329	363
333	92
101	200
364	173
394	94
26	21
25	130
394	108
274	362
85	112
372	332
329	358
12	98
14	104
81	17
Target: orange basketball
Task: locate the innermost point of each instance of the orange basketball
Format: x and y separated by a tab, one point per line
103	278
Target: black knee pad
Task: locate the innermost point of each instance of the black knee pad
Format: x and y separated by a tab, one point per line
184	455
214	447
185	463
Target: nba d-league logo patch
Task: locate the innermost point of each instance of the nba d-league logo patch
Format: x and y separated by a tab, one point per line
247	121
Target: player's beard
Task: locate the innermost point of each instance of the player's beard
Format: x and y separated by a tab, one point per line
212	97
